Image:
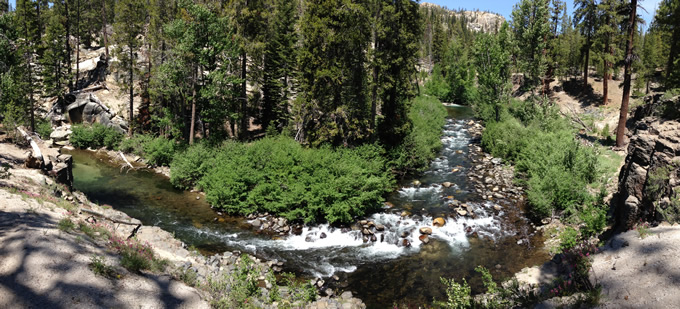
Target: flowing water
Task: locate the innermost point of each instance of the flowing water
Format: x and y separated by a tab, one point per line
381	273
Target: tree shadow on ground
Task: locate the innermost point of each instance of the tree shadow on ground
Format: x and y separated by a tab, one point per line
43	267
585	95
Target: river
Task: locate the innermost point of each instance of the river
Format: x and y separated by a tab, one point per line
381	273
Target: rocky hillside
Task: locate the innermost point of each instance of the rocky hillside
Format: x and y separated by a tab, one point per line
649	181
477	20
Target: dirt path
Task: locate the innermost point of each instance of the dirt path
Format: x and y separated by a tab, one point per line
640	272
44	267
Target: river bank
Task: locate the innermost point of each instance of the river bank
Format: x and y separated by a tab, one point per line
34	210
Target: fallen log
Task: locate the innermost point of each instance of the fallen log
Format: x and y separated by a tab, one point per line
101	215
36	150
93	88
126	160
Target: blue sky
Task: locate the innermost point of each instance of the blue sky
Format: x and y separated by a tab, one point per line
504	7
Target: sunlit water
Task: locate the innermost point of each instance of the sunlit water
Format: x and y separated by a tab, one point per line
382	273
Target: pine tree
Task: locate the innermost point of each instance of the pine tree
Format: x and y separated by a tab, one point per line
667	20
332	104
249	17
493	64
29	33
650	59
531	26
607	35
4	6
585	18
130	17
623	116
55	59
394	60
279	63
13	90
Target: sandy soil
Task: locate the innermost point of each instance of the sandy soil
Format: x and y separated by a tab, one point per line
640	272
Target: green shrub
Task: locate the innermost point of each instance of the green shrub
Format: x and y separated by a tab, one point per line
457	295
66	225
190	165
99	267
437	86
279	176
156	150
159	151
43	128
136	256
553	165
135	144
423	143
568	239
234	289
505	139
95	136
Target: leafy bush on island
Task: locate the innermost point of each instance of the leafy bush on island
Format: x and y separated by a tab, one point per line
278	175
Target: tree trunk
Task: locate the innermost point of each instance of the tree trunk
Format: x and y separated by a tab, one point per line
78	41
374	92
620	130
29	73
192	126
585	66
673	52
244	99
104	32
68	45
605	77
131	85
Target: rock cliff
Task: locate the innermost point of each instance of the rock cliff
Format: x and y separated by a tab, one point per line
649	181
476	20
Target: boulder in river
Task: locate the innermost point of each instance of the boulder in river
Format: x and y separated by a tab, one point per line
379	227
462	211
425	231
405	243
447	184
439	221
424	238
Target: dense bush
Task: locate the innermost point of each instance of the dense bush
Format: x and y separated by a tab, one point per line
95	136
556	168
156	150
135	144
278	175
189	166
423	143
159	151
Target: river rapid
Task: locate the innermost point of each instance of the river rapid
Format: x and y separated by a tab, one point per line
381	273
